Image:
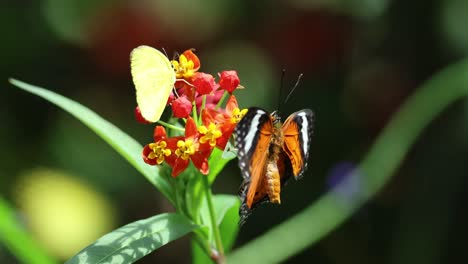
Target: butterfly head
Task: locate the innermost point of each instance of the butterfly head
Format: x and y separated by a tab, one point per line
275	118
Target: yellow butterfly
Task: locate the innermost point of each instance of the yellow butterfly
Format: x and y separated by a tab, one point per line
154	78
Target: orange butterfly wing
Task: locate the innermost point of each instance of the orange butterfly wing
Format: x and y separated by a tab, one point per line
253	134
297	132
258	164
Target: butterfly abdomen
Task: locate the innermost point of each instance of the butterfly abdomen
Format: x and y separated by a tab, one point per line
272	177
273	182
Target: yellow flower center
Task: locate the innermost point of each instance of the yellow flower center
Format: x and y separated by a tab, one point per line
183	67
185	149
210	133
237	115
159	151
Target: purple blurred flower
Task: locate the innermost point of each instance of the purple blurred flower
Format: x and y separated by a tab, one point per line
344	180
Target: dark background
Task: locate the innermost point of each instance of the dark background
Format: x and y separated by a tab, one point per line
360	60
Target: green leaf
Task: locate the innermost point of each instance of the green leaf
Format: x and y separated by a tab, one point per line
226	209
199	256
216	163
377	167
15	238
136	240
229	226
195	195
125	145
222	203
227	216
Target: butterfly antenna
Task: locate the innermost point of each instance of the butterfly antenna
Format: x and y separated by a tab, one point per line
294	87
174	90
283	73
165	52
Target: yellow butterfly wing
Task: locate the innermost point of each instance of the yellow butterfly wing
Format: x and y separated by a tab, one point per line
153	77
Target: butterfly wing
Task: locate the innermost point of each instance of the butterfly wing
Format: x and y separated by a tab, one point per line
154	78
297	131
253	134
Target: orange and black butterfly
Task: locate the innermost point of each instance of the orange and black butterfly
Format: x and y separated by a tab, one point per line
269	154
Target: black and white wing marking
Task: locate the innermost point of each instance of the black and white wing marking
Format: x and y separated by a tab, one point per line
305	122
298	130
247	134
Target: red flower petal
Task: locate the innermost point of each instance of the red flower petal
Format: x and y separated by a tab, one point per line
181	107
159	133
179	166
190	129
231	104
139	117
184	89
204	83
191	56
204	150
147	150
201	163
229	80
179	84
170	99
207	117
211	99
200	158
227	129
172	142
222	141
172	145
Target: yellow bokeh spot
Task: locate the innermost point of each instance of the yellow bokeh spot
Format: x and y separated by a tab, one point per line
63	214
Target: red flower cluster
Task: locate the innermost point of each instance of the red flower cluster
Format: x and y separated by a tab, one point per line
225	121
198	142
193	85
215	126
177	151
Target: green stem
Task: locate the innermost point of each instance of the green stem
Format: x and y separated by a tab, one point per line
194	112
384	157
202	107
203	102
221	101
17	240
202	243
170	126
214	226
180	205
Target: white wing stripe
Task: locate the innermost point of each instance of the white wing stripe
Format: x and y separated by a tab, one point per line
253	130
304	132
